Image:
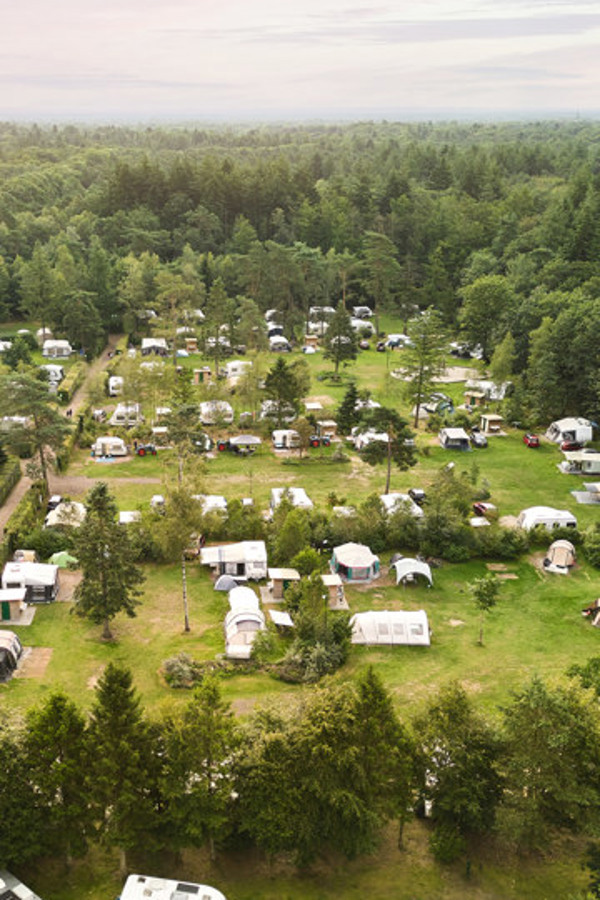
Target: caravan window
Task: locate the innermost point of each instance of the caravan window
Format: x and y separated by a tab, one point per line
417	630
382	628
398	628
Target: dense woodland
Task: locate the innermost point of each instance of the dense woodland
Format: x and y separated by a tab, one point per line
496	226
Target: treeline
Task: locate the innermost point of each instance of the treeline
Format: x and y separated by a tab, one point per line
495	226
328	773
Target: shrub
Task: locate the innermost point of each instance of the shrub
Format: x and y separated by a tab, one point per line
447	843
10	474
591	546
72	380
26	517
46	541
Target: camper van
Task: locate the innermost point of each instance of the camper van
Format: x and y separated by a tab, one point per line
285	439
546	516
115	385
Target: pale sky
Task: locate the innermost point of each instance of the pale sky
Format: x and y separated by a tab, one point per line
301	59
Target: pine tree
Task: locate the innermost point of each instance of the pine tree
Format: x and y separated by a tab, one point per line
111	579
56	760
348	415
198	781
123	773
341	343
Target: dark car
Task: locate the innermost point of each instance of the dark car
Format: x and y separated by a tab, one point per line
417	495
478	439
571	445
531	440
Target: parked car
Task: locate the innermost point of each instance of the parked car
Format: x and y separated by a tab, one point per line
571	445
417	495
483	509
478	439
531	440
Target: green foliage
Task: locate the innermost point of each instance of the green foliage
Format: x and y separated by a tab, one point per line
111	579
71	382
27	516
591	545
46	541
307	562
10	474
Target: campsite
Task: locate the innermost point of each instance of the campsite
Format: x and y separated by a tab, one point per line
297	515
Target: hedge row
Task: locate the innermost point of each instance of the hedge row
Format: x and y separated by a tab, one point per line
26	517
72	380
9	476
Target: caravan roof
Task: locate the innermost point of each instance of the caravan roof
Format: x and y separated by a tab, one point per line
143	887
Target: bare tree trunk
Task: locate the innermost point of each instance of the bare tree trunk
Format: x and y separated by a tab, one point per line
122	862
186	617
106	632
481	629
211	848
389	464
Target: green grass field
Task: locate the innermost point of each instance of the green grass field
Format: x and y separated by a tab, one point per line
536	628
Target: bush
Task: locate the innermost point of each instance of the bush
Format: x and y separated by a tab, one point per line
46	541
27	516
447	843
10	475
72	380
591	546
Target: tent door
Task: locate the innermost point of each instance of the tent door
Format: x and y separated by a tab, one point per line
5	611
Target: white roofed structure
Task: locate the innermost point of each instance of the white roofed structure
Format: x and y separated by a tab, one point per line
39	580
242	623
69	514
407	570
546	516
144	887
355	562
394	502
246	559
391	628
297	497
571	428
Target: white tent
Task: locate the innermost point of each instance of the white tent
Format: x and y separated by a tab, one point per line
213	411
560	557
246	559
394	502
355	562
407	570
154	345
129	516
211	502
242	623
297	497
391	627
56	349
547	516
127	414
54	372
69	513
364	438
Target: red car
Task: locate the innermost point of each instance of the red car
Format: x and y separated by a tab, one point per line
570	445
531	440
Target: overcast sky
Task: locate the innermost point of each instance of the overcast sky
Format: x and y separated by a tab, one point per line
291	59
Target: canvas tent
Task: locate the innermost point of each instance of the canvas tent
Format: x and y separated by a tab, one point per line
407	570
225	583
246	559
571	429
143	887
395	502
214	411
11	651
39	580
454	439
242	623
157	345
211	502
52	349
297	497
547	516
68	514
354	562
560	557
127	414
391	628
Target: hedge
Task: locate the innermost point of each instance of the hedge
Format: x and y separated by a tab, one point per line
10	473
26	517
72	380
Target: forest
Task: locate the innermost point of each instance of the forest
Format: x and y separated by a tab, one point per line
496	226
